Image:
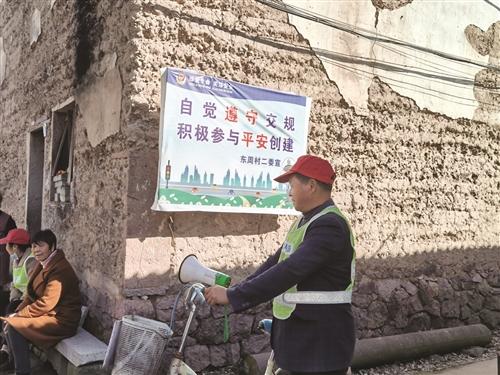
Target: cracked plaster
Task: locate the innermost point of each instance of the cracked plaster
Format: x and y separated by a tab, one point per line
435	83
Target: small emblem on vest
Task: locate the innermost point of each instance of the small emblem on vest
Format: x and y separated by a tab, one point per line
287	248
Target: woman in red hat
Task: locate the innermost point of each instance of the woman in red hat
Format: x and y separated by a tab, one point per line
18	245
23	262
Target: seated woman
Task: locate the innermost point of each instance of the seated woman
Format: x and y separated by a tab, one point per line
51	309
23	262
18	245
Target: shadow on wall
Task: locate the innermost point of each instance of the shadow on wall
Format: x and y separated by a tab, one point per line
419	292
199	224
437	289
144	223
428	291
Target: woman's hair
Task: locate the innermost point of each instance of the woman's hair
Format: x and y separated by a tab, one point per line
23	248
46	236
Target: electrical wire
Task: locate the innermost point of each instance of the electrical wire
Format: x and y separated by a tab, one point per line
410	86
493	5
329	56
452	81
393	67
423	61
365	33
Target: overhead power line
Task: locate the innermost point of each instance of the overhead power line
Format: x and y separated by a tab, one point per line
364	33
493	5
430	71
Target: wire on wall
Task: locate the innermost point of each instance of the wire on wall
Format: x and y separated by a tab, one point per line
365	33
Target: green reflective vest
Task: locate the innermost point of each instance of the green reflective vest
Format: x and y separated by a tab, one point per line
20	275
281	309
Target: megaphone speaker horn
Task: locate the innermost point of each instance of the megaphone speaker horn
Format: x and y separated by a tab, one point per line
191	270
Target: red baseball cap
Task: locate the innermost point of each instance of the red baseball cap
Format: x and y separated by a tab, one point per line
16	236
310	166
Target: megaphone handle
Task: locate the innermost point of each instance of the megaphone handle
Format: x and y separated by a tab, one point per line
186	327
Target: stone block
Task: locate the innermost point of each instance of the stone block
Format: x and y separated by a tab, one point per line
89	369
197	356
63	196
387	287
240	326
58	184
59	177
57	360
256	344
139	307
223	355
81	349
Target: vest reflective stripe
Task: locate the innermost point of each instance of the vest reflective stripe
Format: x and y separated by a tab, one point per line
318	298
284	304
20	275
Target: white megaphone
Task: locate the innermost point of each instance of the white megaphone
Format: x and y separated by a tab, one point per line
191	270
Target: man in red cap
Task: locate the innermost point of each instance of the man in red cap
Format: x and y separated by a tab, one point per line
309	279
6	224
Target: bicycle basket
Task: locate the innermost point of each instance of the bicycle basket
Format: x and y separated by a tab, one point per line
140	346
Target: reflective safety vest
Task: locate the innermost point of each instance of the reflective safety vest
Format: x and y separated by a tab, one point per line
20	276
284	304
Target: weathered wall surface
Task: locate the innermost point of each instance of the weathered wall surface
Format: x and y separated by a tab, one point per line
410	179
81	52
225	40
487	81
392	296
440	84
29	90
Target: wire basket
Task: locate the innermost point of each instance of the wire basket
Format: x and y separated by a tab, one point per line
140	346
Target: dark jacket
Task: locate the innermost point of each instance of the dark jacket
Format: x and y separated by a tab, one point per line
6	224
315	338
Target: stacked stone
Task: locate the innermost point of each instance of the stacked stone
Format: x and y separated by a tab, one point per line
61	188
392	296
427	291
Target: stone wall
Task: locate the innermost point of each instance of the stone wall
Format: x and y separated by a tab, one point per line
392	296
79	55
428	291
411	180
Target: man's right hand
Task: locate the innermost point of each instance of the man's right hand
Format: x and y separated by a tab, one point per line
216	295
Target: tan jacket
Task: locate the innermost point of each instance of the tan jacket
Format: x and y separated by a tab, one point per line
51	309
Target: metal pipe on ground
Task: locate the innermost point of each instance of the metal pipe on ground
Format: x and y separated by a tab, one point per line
399	348
380	350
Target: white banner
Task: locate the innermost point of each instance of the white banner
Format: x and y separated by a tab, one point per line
223	142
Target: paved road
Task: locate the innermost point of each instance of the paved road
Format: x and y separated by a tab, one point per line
488	367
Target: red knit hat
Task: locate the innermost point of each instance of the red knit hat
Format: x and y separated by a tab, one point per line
310	166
